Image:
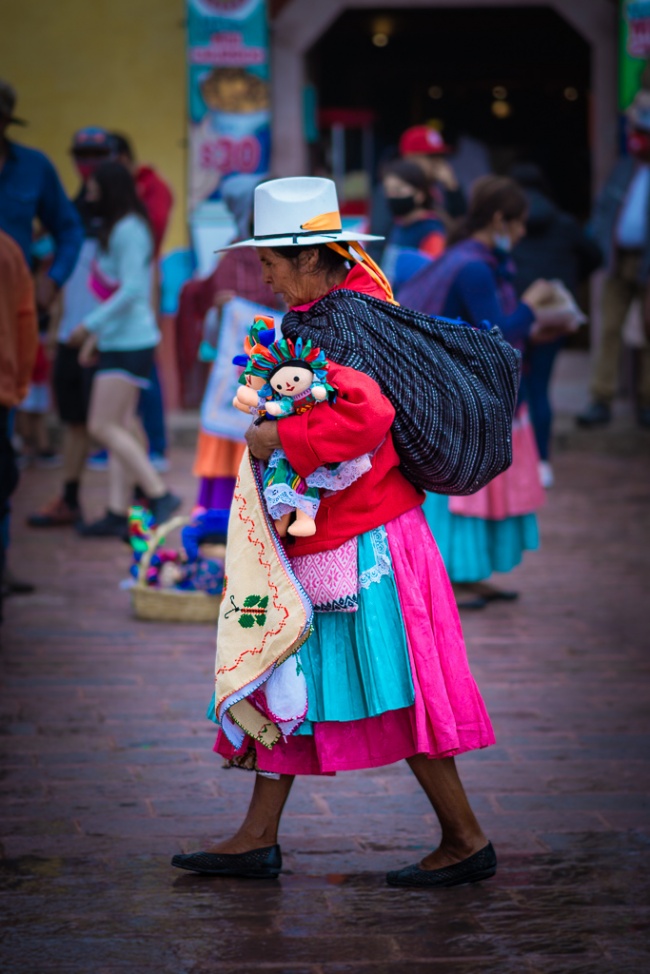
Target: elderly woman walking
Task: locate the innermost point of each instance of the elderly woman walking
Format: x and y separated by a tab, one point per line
389	680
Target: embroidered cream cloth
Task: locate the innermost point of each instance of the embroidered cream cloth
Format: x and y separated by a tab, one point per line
265	617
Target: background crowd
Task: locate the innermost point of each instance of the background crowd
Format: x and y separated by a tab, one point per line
80	321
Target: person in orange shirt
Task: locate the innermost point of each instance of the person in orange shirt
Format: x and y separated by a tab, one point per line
18	342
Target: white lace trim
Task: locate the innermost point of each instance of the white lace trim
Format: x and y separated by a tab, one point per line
275	458
383	564
282	499
341	476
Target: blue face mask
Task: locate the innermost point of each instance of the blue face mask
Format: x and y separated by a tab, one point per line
502	243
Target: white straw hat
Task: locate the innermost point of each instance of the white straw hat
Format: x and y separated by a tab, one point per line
298	211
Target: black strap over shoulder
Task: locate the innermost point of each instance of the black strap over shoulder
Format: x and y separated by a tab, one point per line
453	387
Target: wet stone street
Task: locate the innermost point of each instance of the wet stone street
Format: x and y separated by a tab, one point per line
108	770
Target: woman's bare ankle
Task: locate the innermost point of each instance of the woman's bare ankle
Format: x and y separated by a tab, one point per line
245	841
454	850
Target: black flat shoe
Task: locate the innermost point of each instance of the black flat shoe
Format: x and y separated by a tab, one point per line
501	595
472	603
163	507
110	526
481	865
258	864
596	414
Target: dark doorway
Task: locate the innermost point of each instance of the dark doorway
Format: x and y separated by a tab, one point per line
410	66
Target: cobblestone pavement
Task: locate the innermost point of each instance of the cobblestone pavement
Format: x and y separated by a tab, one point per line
107	771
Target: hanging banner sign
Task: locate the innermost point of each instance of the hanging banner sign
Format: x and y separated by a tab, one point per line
229	97
637	15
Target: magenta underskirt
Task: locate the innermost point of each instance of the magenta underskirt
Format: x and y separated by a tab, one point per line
448	716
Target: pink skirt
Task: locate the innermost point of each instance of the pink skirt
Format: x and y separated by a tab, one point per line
515	492
448	716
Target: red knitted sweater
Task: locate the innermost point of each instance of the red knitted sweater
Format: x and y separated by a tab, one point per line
358	422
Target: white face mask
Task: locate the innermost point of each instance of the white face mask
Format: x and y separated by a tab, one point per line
502	242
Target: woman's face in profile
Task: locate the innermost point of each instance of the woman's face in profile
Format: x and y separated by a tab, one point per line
283	276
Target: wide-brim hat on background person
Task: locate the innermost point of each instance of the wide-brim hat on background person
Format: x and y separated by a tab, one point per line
298	211
638	114
422	140
8	103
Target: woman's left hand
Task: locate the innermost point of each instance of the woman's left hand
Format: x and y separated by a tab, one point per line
78	336
263	439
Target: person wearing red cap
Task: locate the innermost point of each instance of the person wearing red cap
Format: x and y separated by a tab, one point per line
426	147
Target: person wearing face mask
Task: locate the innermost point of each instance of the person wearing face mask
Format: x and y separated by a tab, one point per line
621	226
120	336
488	531
418	232
426	147
71	381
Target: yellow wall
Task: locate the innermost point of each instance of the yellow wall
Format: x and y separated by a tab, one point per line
115	63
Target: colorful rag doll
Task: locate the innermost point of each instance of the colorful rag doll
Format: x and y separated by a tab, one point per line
295	380
248	399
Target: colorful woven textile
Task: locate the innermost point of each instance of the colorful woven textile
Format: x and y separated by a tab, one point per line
265	617
517	490
453	387
330	578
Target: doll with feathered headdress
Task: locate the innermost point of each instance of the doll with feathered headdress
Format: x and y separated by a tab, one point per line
285	379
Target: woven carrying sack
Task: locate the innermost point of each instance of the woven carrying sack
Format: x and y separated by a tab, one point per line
453	387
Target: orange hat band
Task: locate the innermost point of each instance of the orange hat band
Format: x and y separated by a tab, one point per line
368	265
323	223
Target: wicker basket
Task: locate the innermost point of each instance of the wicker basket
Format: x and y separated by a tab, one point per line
169	605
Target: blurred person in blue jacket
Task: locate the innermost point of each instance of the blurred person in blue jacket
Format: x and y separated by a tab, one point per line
31	189
621	225
555	247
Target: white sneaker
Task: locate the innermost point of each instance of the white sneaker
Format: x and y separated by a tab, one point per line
547	479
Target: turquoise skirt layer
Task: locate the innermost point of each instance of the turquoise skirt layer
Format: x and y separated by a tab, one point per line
357	663
472	548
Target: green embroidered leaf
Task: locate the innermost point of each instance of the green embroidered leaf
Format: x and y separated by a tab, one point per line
250	601
264	602
260	620
246	621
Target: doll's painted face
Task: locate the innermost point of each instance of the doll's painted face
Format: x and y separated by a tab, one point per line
292	380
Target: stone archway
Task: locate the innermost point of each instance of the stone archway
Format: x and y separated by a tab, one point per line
300	23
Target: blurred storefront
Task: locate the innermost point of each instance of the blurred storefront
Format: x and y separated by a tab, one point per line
515	77
552	67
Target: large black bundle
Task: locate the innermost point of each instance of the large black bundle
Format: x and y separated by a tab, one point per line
453	387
